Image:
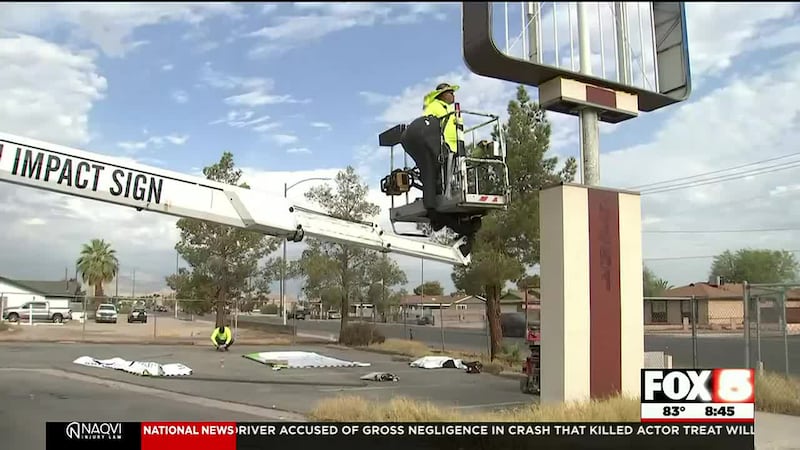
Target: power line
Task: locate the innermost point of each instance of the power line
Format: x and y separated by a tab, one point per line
681	258
730	177
754	163
750	230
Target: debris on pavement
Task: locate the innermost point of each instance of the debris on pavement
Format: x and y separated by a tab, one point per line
380	376
438	362
299	360
474	367
143	368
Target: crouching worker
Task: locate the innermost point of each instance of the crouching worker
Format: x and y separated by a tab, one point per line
222	338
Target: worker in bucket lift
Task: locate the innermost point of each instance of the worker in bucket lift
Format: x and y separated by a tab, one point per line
440	103
422	140
222	338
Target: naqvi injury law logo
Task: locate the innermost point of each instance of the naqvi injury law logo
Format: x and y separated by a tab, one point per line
94	431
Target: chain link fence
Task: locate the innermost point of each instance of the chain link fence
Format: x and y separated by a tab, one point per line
758	329
131	319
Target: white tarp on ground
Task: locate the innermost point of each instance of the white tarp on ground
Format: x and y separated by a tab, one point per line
144	368
300	360
438	362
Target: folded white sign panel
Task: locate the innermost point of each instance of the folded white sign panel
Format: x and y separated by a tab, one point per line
144	368
300	360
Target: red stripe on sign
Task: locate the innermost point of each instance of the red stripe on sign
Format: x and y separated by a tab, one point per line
600	96
188	435
604	294
483	198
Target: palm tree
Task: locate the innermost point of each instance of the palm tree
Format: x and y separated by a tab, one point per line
98	264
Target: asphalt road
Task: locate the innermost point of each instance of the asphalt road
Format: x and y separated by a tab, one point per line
32	397
712	351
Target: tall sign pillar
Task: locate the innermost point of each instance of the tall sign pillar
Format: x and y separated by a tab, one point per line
592	328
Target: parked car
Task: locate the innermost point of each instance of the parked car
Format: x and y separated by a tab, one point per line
424	320
137	315
300	314
161	308
334	315
39	312
107	312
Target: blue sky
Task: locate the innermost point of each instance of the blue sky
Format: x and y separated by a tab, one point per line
298	90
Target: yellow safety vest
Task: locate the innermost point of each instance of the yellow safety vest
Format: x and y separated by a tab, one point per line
453	123
226	335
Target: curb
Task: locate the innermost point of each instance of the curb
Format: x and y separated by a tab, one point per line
150	342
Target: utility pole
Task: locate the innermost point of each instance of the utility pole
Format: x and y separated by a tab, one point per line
283	266
589	118
177	269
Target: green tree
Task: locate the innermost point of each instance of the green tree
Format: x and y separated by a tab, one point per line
653	285
508	242
429	288
221	257
384	274
97	265
756	266
194	288
330	266
528	282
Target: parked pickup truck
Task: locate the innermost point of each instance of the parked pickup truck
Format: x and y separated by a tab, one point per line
40	311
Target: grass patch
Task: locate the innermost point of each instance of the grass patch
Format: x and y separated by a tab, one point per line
510	359
400	409
775	393
778	393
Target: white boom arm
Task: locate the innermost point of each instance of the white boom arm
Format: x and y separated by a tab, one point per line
66	170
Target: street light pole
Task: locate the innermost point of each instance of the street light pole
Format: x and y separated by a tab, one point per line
286	188
283	266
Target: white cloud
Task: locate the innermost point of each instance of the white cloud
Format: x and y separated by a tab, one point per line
310	21
324	125
246	119
180	96
157	141
110	28
34	102
284	139
259	98
252	91
298	150
167	67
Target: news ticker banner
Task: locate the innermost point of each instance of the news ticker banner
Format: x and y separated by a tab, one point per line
698	395
387	436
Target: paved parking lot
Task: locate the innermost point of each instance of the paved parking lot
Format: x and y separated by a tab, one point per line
230	377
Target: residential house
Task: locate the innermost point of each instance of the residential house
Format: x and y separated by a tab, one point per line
720	305
14	293
514	301
459	309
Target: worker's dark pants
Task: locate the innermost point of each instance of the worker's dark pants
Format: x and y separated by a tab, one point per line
422	141
221	344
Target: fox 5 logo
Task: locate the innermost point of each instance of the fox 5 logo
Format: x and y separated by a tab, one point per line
698	385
